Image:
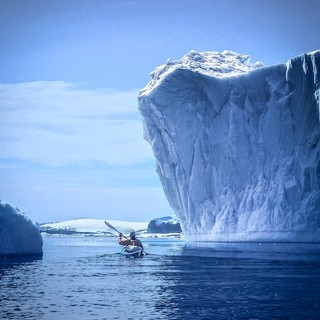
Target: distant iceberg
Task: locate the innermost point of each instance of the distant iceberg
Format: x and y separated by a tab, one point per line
164	225
18	235
237	145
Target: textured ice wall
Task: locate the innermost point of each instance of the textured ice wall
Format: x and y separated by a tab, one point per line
237	150
18	235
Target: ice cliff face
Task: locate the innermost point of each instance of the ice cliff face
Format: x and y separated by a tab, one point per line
237	145
18	235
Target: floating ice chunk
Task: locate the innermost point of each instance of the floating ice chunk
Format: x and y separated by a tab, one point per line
164	225
18	235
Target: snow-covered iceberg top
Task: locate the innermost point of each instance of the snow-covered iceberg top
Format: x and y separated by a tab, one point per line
18	235
237	147
214	64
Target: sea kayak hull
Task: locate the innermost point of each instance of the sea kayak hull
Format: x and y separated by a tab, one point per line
132	251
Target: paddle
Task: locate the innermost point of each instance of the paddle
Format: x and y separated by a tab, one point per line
113	228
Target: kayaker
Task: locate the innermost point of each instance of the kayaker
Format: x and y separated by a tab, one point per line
133	241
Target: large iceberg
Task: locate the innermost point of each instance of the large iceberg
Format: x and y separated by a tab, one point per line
237	145
18	235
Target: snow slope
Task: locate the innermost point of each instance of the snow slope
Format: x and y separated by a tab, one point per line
18	235
237	145
94	226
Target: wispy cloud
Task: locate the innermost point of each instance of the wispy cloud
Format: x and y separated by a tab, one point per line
59	123
67	151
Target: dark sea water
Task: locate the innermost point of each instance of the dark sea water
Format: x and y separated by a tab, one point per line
85	278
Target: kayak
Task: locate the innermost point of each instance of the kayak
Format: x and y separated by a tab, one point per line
132	251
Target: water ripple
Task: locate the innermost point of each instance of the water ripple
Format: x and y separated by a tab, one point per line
88	283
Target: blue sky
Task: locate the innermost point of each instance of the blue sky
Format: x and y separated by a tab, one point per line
71	135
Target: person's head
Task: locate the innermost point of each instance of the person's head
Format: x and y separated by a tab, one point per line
132	235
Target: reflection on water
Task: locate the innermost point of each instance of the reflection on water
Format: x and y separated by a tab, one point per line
295	251
84	278
18	277
242	281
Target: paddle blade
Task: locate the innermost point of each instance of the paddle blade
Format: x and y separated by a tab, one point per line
113	228
110	226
